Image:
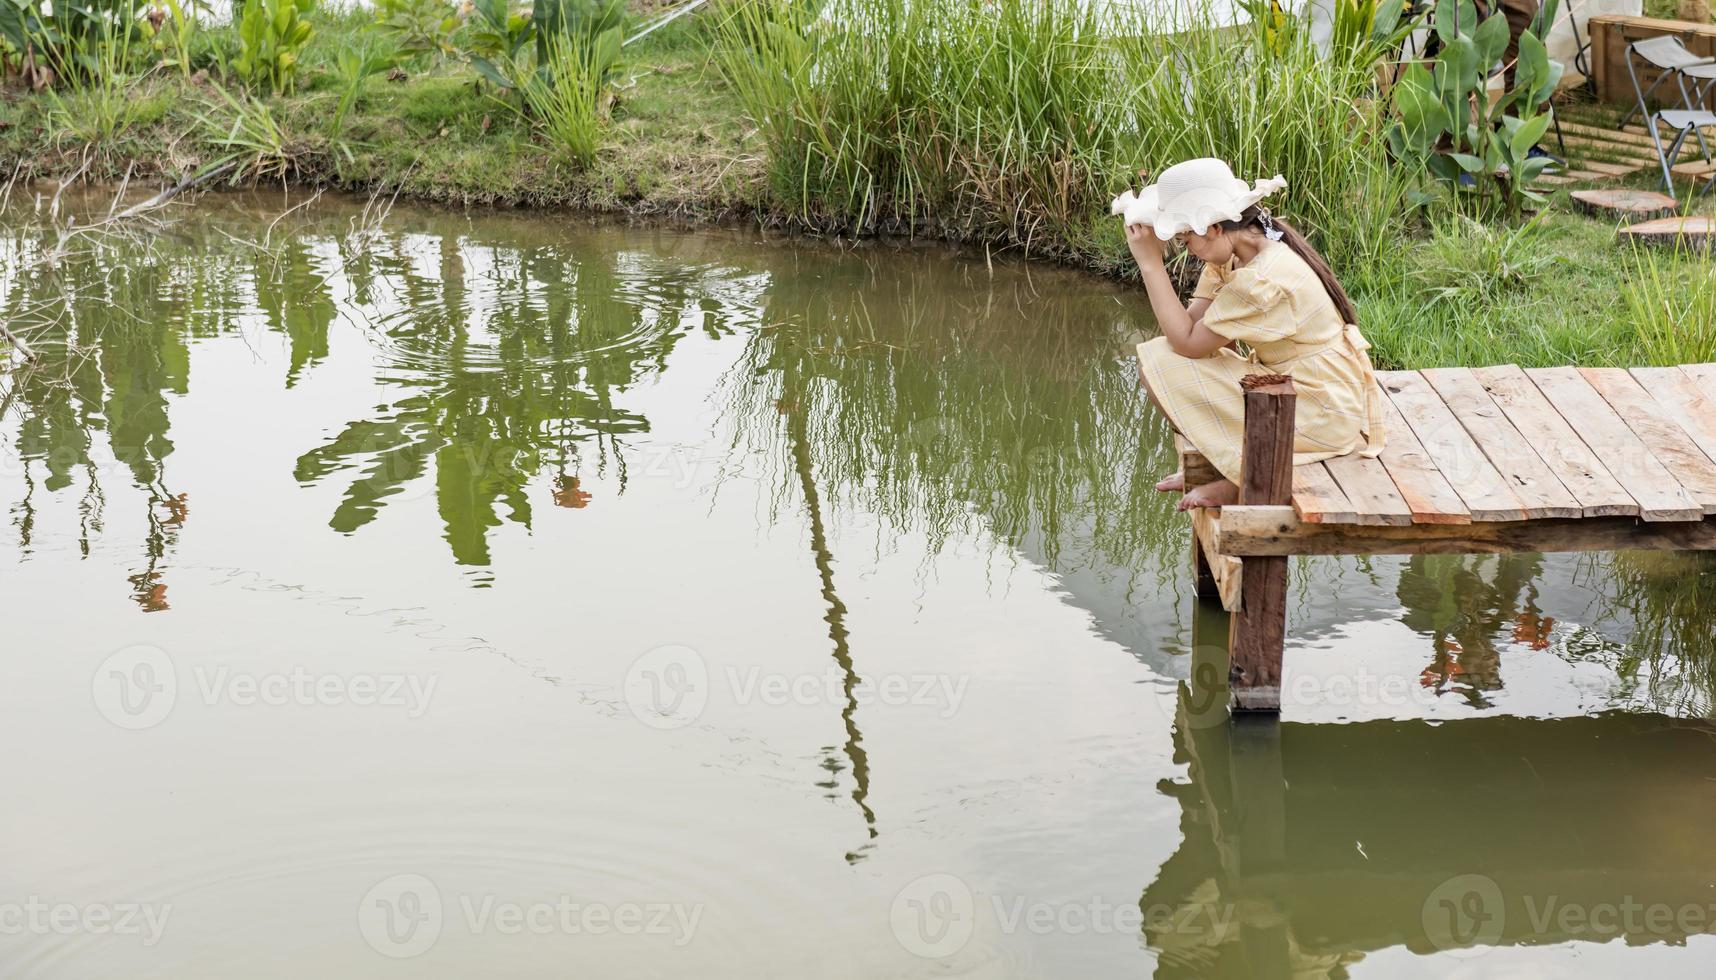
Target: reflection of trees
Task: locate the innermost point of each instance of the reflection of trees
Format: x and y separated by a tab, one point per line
948	406
1467	603
500	385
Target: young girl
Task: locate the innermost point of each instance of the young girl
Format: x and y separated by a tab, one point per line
1264	287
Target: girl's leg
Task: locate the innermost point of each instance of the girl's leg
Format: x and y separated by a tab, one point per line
1174	482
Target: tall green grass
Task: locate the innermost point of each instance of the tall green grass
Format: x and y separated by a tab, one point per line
1670	296
1018	120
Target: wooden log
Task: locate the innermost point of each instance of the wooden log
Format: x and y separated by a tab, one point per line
1624	202
1692	233
1248	531
1258	632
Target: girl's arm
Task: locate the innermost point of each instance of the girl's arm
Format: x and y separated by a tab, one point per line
1183	326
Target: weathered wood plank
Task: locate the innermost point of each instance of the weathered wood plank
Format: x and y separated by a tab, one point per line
1685	400
1226	570
1277	531
1257	632
1480	485
1319	498
1659	495
1704	374
1573	463
1528	476
1370	490
1667	441
1426	491
1194	465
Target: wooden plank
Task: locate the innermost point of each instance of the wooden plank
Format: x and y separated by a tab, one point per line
1480	485
1227	571
1684	400
1369	488
1659	495
1613	169
1704	374
1667	441
1533	484
1573	463
1256	531
1618	152
1634	136
1257	631
1195	467
1426	491
1319	498
1624	202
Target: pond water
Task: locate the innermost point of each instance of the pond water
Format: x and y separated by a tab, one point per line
505	595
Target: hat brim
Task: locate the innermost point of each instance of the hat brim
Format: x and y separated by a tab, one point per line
1216	205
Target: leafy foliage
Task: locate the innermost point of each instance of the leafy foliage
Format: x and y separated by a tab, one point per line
1448	125
495	35
418	27
271	39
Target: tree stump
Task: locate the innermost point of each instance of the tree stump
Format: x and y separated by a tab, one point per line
1692	233
1619	202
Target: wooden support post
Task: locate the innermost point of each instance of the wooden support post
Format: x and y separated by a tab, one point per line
1196	470
1259	629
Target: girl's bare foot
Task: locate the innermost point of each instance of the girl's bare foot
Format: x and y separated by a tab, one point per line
1173	483
1217	494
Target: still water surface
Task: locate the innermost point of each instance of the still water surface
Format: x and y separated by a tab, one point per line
506	595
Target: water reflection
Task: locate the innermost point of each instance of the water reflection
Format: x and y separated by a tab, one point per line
911	423
1310	847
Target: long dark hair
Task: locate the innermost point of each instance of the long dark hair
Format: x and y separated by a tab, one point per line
1256	217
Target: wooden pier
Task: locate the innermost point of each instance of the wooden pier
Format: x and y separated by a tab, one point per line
1477	460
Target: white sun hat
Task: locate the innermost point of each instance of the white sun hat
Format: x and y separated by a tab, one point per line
1191	196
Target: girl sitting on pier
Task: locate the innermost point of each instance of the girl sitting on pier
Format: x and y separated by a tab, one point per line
1262	286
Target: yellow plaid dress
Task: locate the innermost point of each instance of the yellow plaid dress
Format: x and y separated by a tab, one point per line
1277	307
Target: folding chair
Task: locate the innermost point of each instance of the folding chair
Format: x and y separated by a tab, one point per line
1672	59
1684	122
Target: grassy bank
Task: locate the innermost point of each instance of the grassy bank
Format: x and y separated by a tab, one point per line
991	124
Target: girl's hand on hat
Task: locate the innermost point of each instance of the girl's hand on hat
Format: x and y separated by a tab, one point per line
1142	240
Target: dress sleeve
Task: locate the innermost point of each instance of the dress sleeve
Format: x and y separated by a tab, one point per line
1251	307
1209	283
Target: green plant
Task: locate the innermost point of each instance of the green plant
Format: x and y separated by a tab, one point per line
69	42
246	129
1670	298
565	93
272	35
172	39
590	18
353	65
494	36
1448	125
418	28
